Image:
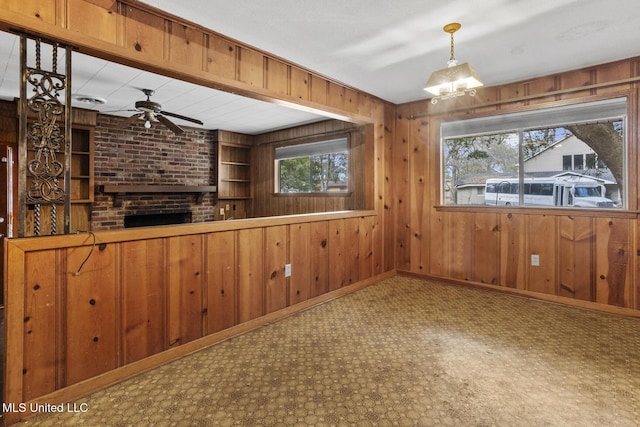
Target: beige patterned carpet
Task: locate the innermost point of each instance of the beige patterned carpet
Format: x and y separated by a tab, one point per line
404	352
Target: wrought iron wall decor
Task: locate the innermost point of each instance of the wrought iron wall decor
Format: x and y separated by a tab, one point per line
45	132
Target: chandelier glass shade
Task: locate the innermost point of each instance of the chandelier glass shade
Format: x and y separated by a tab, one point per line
455	80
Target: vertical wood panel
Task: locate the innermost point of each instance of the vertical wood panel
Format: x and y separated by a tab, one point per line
352	250
221	57
221	281
40	320
250	274
335	95
486	267
350	100
576	258
402	201
318	89
144	32
319	258
277	76
186	46
542	278
439	245
275	259
613	284
387	174
44	11
300	280
299	83
512	251
336	254
90	313
88	18
461	239
143	281
365	247
251	67
184	300
419	197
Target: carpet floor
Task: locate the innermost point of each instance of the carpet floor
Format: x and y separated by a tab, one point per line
403	352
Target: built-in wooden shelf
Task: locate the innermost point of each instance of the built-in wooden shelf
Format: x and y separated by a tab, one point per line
235	163
119	190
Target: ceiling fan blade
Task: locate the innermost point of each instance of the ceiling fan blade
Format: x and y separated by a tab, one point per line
131	119
117	111
168	123
178	116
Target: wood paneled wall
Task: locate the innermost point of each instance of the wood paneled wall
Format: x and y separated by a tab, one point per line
587	257
76	311
135	34
267	203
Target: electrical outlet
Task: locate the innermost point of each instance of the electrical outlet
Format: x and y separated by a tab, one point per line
222	211
287	270
535	260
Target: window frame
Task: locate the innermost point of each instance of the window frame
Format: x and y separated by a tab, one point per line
620	103
346	137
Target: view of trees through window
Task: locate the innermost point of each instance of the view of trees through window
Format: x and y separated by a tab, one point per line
312	174
573	165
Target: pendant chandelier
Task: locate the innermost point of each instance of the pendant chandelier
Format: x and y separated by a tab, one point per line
455	80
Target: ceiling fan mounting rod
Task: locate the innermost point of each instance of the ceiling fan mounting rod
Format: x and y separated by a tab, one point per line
148	92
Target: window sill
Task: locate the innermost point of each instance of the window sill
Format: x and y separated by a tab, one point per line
559	211
328	194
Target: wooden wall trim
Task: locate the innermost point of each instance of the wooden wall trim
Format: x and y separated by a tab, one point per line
85	239
137	35
541	95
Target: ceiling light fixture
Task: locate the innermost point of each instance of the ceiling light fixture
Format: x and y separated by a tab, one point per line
455	80
90	99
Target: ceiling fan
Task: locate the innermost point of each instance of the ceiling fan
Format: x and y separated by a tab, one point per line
152	111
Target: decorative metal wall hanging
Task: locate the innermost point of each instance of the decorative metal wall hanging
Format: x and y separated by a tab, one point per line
45	139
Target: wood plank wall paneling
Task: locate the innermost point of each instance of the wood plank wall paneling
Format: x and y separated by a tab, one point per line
221	281
184	269
143	325
41	319
275	258
90	313
300	280
250	272
319	258
613	253
586	257
133	299
267	203
336	236
576	246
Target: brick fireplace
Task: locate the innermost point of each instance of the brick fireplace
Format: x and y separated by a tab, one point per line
158	157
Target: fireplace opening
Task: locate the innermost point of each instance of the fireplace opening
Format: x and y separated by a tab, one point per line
147	220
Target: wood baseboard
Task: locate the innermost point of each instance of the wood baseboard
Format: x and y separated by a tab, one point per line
588	305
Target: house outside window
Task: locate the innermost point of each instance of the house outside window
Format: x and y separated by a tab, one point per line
561	149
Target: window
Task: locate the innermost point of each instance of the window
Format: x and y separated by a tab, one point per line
571	156
317	167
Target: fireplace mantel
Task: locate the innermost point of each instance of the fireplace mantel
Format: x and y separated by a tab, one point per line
119	190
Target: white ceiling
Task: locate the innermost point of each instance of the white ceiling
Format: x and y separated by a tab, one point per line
387	48
121	87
